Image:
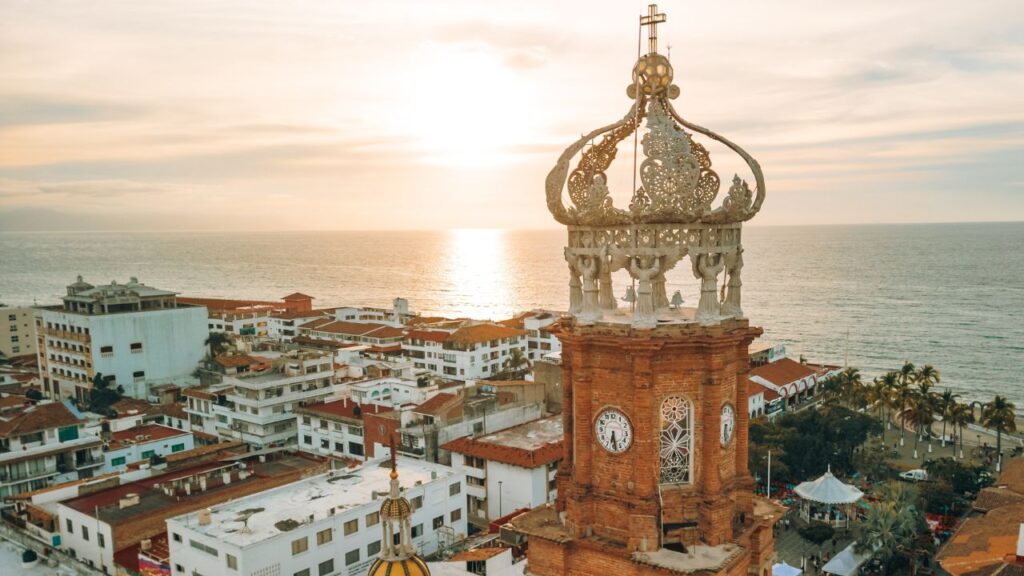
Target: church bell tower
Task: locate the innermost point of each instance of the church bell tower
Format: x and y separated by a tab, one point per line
655	477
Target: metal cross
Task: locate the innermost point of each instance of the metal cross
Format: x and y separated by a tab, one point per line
652	19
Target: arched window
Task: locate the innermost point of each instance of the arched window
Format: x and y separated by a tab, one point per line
676	440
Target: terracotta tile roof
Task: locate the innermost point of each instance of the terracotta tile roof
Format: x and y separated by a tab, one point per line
437	404
769	394
125	405
202	393
342	408
983	543
319	342
235	360
204	450
996	497
176	410
36	418
483	333
366	329
783	371
428	335
297	296
1012	475
12	401
295	314
317	323
134	435
477	555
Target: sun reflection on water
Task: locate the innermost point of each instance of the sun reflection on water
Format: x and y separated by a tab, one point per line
476	274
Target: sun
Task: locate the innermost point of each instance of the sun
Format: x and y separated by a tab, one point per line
467	108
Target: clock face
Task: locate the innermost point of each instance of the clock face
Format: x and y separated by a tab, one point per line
728	423
614	432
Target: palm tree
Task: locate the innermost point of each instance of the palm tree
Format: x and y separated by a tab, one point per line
924	394
928	373
886	393
1000	414
885	531
853	387
919	413
945	403
903	395
960	415
218	343
516	364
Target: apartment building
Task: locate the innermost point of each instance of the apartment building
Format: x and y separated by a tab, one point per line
324	525
469	352
510	469
134	335
141	443
381	338
17	331
44	443
255	395
95	527
344	429
539	339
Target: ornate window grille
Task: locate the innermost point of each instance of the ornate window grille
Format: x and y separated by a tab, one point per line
676	440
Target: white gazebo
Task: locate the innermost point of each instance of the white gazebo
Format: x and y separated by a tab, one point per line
783	569
828	500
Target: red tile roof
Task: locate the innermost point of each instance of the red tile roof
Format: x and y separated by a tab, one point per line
342	408
297	296
428	335
783	371
478	554
522	457
137	435
436	404
366	329
483	333
296	314
36	418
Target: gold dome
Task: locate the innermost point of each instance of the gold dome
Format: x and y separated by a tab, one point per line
413	566
395	509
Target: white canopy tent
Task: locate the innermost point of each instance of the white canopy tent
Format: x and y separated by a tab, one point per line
846	563
827	499
783	569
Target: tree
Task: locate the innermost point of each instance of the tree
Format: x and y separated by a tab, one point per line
873	460
939	497
102	396
1000	415
34	394
963	479
854	391
516	365
882	392
960	415
816	533
919	414
945	404
885	531
218	343
903	395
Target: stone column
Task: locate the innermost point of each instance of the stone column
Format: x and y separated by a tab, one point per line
644	269
575	286
606	298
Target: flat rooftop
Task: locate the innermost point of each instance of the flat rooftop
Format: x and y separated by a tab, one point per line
530	436
528	445
143	435
255	518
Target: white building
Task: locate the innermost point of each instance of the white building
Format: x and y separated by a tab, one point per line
132	334
142	443
43	444
471	352
254	399
509	470
324	525
539	341
344	429
391	391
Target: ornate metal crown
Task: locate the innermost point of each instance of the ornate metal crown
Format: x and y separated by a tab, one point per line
672	214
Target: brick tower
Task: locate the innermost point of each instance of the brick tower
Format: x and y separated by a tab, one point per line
655	477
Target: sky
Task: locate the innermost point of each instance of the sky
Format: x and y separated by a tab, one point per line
343	115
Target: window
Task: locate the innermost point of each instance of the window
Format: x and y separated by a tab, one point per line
339	447
326	567
351	557
455	489
438	522
299	546
417	531
355	449
307	439
351	527
148	454
355	430
12	317
417	503
338	427
676	440
179	568
200	546
85	533
305	419
456	515
71	527
177	447
136	347
372	519
373	549
139	375
15	349
303	572
473	481
14	338
177	537
473	461
231	561
106	350
324	536
325	443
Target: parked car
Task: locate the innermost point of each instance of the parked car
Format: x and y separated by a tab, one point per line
917	475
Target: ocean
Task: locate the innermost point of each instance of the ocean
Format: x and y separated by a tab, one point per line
950	295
